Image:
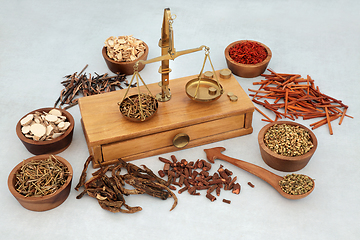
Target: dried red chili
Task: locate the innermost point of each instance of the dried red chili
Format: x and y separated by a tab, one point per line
248	52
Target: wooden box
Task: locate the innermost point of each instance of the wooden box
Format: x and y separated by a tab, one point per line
110	136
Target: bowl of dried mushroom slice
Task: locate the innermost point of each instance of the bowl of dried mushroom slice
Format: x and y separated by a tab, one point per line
46	130
286	146
42	182
121	53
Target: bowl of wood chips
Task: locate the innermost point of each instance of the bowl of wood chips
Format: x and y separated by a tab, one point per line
286	146
46	130
42	182
121	53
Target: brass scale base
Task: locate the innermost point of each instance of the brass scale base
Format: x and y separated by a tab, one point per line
110	136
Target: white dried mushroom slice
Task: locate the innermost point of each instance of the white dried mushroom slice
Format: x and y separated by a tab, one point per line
27	120
55	112
38	130
51	118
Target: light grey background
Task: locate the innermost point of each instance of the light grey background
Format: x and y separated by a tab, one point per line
42	41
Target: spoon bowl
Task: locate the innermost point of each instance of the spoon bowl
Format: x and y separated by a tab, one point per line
267	176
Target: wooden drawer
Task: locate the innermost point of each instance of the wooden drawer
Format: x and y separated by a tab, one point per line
110	136
163	142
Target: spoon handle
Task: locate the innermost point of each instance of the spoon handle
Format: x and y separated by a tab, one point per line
260	172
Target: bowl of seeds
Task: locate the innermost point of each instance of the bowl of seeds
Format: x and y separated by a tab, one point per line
286	146
42	182
121	53
247	58
46	130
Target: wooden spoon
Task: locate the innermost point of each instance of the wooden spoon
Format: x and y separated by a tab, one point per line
267	176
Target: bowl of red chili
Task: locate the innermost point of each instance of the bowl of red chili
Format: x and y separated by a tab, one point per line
247	58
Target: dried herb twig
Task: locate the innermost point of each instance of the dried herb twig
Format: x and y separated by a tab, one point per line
41	177
83	85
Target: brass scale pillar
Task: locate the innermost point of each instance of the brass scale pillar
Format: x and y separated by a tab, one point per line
167	52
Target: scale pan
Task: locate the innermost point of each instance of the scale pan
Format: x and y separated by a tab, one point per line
149	103
208	90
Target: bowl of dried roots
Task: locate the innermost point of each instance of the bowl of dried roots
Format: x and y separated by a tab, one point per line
121	53
286	146
46	130
41	183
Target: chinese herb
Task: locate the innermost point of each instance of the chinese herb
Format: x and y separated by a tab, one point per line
41	177
248	52
251	185
41	126
138	106
226	201
124	48
288	140
107	185
194	176
296	184
291	96
81	85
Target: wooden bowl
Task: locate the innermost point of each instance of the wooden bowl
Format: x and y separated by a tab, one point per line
285	163
247	70
53	146
125	67
43	203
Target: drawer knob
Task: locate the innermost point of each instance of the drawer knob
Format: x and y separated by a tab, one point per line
181	140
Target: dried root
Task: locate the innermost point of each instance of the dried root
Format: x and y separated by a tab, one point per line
110	191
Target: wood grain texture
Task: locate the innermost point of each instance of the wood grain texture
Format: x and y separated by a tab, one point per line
104	125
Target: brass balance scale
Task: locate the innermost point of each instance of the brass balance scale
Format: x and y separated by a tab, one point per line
198	116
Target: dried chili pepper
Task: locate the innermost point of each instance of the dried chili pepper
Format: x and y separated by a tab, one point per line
248	52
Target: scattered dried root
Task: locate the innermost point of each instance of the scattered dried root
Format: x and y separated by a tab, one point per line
110	191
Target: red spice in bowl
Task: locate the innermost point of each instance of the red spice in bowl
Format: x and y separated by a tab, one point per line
248	52
247	58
